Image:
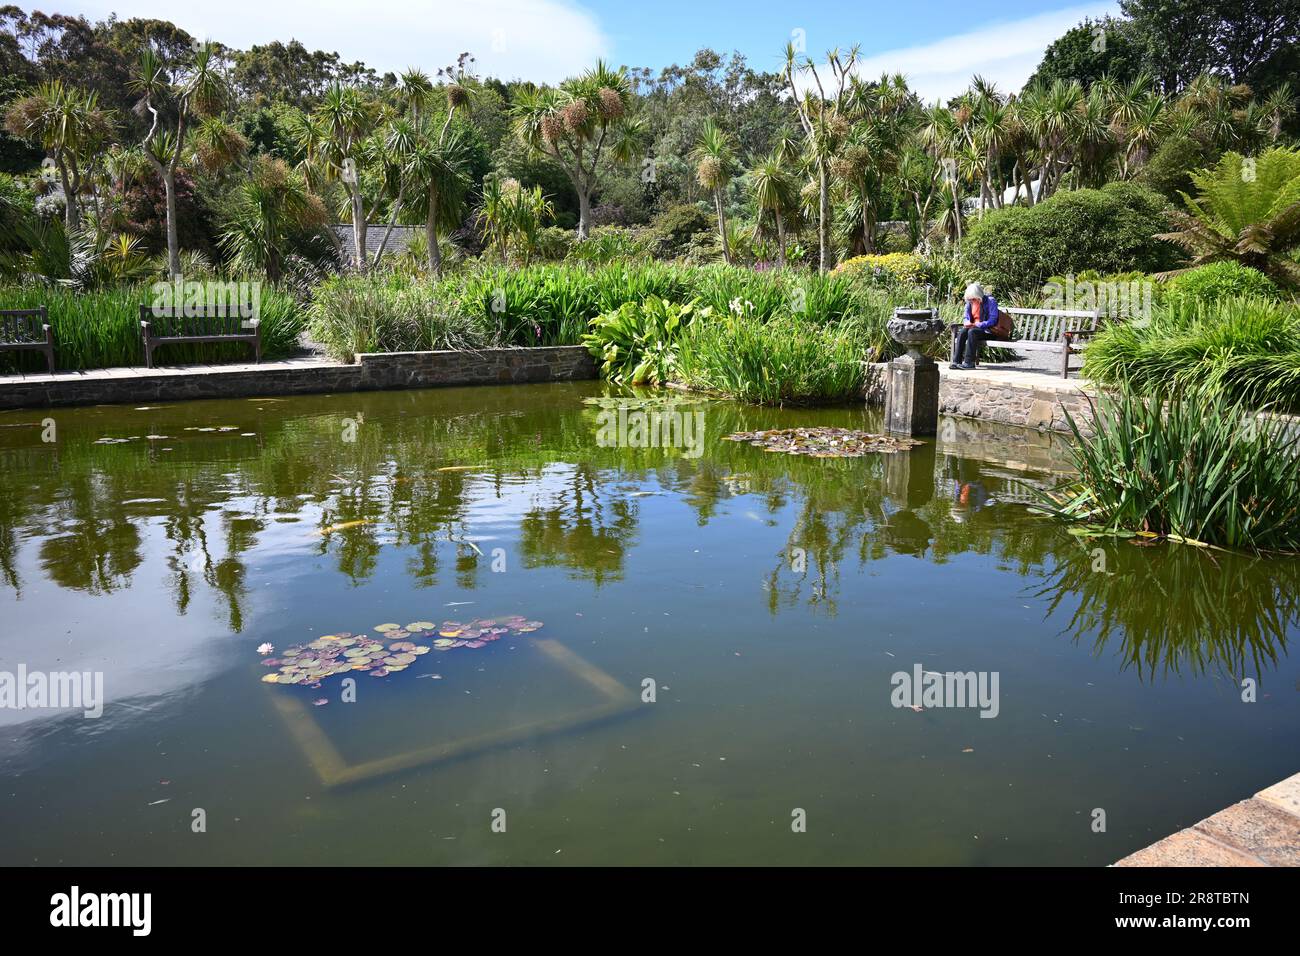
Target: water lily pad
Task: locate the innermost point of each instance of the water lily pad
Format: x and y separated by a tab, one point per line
419	650
384	628
379	672
420	626
270	678
824	442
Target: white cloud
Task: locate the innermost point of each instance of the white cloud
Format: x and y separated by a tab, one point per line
1004	53
542	40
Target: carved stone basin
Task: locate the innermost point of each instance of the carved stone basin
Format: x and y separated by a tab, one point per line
914	328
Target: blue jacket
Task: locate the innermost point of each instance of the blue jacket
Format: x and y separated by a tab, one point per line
988	313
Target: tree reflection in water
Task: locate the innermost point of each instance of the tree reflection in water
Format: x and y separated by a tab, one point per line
428	472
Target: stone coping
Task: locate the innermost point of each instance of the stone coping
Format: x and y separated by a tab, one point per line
1261	831
298	376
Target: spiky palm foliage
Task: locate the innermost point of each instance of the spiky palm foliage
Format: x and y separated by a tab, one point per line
182	95
585	124
775	192
274	204
715	162
1248	211
338	136
71	127
822	116
438	171
511	217
413	92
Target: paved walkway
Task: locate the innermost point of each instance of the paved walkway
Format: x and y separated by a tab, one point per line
139	371
1261	831
1015	375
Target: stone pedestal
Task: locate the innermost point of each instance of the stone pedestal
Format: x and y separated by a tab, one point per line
912	396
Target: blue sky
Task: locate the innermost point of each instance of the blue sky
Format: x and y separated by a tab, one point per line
937	43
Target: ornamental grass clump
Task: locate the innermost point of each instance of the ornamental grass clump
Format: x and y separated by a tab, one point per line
1187	468
1243	349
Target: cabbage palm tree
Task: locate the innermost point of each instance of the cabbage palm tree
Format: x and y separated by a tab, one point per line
343	123
714	165
825	126
185	96
775	190
273	204
438	171
585	124
71	127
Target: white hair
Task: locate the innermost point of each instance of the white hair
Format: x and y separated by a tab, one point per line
974	291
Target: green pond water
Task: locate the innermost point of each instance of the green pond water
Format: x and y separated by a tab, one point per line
769	598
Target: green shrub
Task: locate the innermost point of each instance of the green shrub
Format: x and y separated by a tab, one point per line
101	329
1205	471
896	267
1221	280
1169	170
1245	350
611	244
1015	250
676	226
554	244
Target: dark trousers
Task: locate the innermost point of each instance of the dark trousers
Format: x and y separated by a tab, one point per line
967	347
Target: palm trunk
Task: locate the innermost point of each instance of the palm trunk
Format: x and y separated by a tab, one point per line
431	236
722	225
823	219
584	213
173	242
868	227
780	238
71	215
358	229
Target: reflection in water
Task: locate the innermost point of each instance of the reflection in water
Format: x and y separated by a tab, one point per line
1174	609
441	489
770	595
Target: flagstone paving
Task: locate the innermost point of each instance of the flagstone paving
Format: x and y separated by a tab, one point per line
1261	831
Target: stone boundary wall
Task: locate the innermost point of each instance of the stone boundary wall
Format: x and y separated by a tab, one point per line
1012	404
1001	400
370	371
1039	404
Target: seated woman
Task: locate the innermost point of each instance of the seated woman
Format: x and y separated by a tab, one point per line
983	320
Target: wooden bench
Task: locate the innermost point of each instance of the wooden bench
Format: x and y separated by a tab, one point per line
209	325
27	330
1044	330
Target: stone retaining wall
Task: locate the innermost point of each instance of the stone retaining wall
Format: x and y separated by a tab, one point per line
1011	404
369	372
1002	400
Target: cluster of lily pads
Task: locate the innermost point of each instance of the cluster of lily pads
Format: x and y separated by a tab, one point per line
823	442
394	648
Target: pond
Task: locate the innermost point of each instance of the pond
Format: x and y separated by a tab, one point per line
714	676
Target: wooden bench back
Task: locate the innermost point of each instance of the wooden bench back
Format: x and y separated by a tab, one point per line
1047	325
207	322
22	326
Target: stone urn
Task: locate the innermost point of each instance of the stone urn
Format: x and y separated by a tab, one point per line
914	328
912	380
